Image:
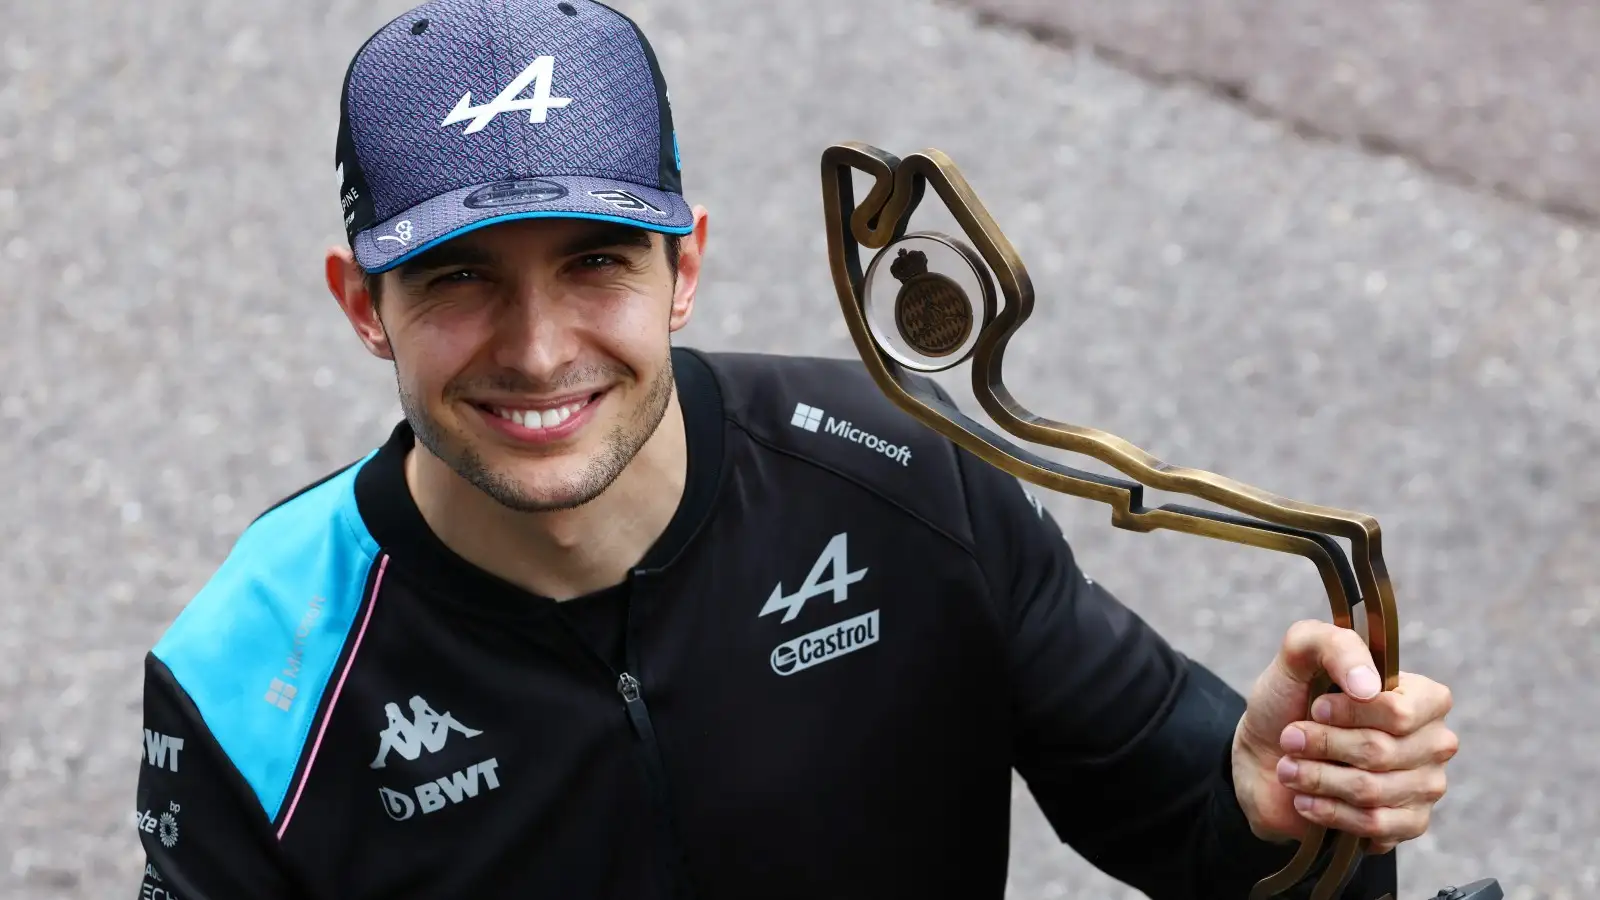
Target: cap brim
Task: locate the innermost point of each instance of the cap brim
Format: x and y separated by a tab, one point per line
432	222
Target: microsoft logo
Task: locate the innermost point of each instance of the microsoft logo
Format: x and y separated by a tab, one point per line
807	417
810	419
281	695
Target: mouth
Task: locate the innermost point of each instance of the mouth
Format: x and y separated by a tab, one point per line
541	420
542	417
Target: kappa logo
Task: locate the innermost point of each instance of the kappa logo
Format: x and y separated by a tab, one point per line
833	559
425	730
538	73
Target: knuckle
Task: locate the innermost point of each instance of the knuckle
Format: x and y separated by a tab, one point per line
1405	825
1449	745
1369	821
1402	712
1437	784
1301	633
1351	641
1365	790
1374	751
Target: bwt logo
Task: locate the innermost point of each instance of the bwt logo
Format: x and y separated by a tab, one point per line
435	795
809	418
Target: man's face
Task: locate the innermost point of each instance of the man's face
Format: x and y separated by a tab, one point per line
533	357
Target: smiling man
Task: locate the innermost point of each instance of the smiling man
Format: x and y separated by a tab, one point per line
608	618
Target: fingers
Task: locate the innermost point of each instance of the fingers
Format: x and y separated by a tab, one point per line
1385	826
1312	646
1362	789
1370	748
1413	703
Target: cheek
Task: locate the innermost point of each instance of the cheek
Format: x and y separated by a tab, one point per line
429	353
634	330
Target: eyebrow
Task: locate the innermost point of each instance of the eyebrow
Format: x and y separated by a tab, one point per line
465	253
606	234
446	255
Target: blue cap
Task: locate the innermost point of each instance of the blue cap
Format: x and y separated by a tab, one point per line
464	113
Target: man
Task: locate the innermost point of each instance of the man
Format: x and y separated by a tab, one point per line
608	618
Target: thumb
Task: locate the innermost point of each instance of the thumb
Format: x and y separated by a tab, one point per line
1312	646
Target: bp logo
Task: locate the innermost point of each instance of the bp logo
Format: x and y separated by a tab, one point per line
167	827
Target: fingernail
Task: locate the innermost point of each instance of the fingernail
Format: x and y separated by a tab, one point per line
1293	740
1287	769
1364	683
1302	803
1322	710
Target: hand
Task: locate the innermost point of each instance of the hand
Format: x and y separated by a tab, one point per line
1395	744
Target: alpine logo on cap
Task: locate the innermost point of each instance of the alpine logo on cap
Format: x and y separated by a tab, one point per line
538	73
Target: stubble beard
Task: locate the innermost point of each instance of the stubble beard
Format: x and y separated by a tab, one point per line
621	445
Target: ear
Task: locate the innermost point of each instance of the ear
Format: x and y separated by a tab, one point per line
690	257
348	284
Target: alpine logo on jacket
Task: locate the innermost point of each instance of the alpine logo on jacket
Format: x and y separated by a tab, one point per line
429	731
832	641
833	559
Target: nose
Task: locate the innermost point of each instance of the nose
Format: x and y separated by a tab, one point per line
535	334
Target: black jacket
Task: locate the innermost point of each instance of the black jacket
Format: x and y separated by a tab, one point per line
815	686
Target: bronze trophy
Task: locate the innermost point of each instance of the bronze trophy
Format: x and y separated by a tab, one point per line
944	311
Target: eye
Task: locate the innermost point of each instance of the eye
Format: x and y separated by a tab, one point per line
455	276
601	261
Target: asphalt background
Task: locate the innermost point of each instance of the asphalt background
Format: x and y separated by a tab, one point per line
1342	252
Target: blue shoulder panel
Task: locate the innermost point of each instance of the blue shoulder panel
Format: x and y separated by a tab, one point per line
256	647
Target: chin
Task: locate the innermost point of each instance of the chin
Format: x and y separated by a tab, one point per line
547	485
564	473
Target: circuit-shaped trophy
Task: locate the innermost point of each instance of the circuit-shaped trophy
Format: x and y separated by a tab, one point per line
927	302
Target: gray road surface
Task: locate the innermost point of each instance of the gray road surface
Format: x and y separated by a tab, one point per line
1496	93
1329	325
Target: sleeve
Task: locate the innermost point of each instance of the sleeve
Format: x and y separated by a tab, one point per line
204	835
1123	741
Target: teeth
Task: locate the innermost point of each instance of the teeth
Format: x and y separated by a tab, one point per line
534	418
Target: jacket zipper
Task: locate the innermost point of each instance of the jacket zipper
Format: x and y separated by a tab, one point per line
632	692
639	715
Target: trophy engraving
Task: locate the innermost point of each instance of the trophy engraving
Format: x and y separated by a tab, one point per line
945	313
932	311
